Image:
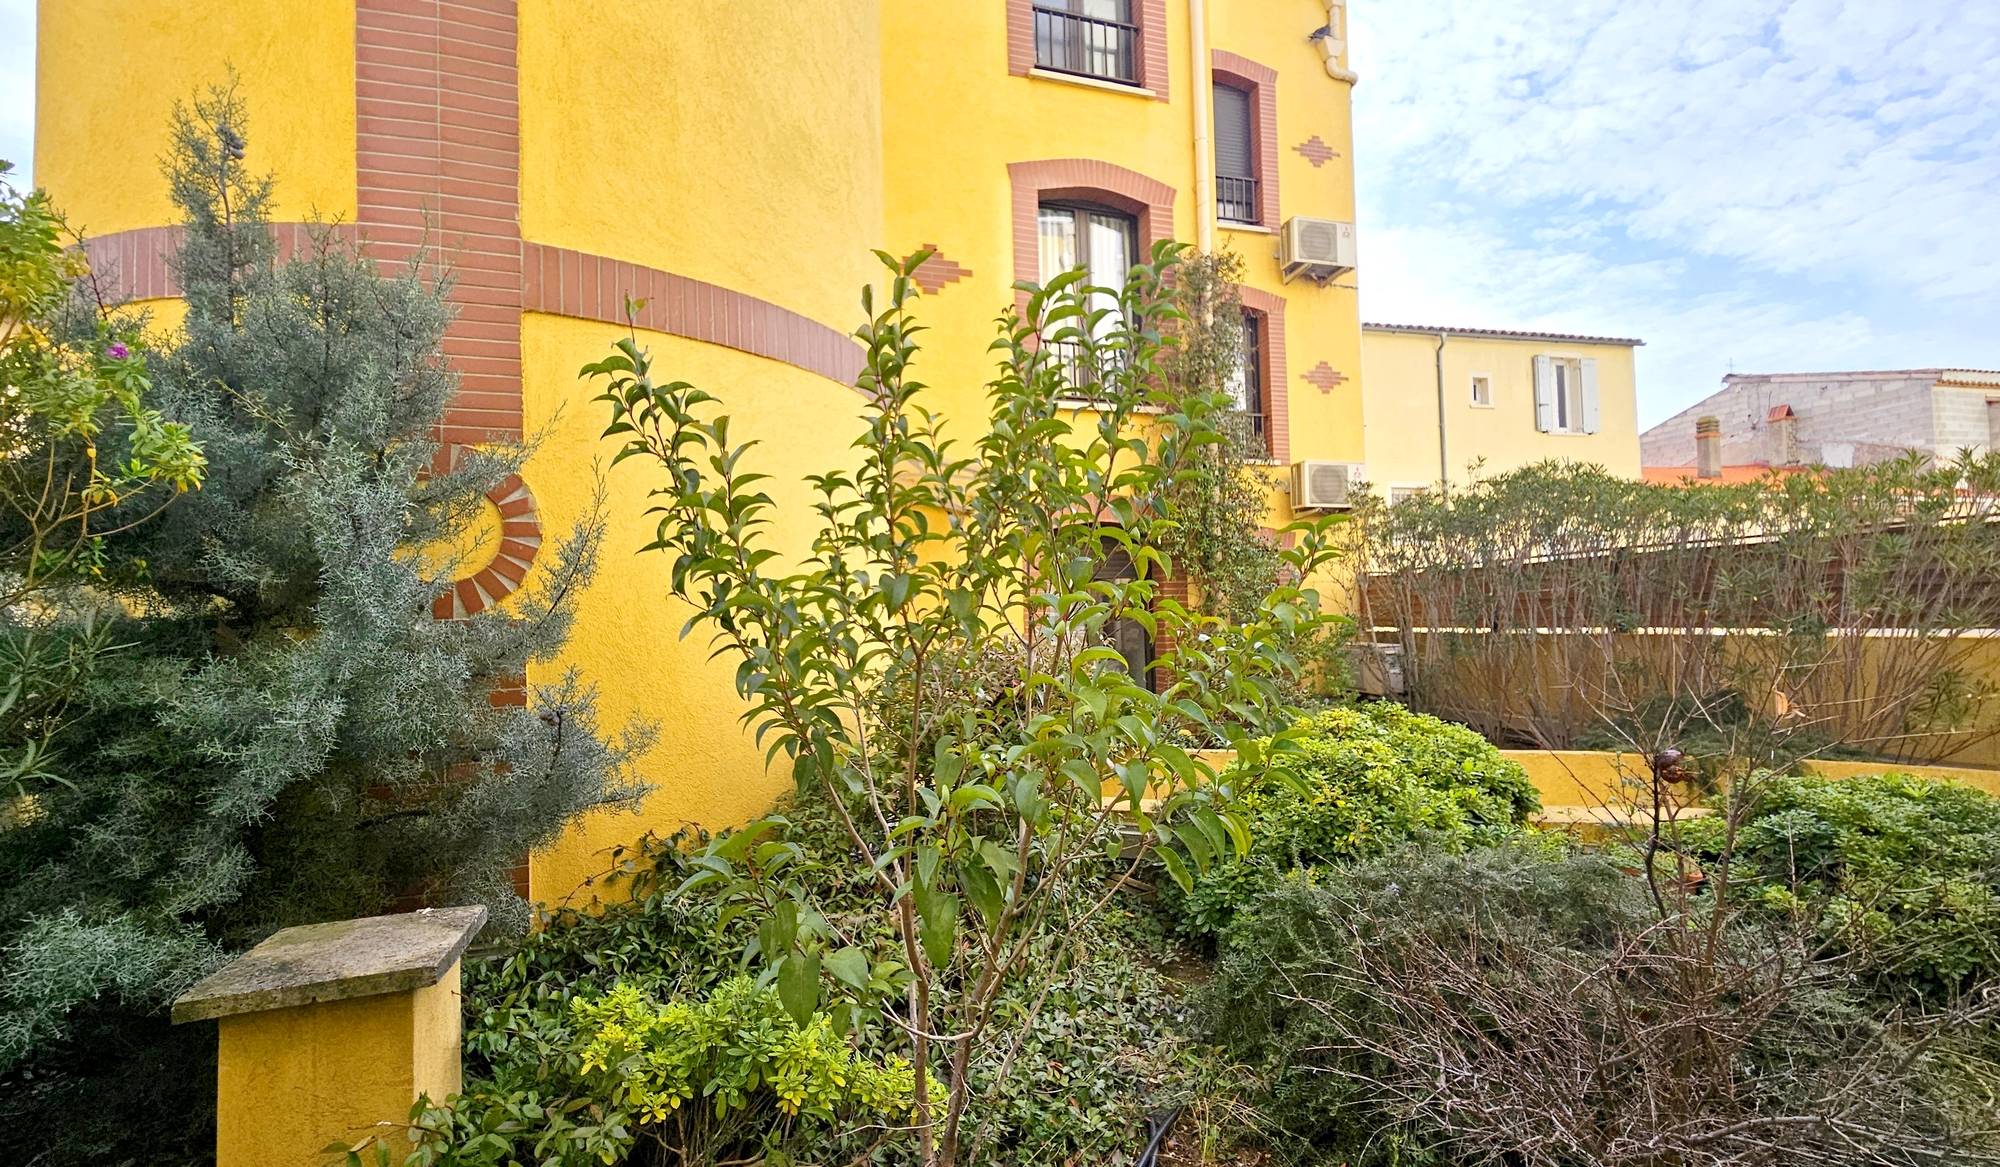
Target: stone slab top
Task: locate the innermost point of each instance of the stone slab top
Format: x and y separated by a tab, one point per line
335	962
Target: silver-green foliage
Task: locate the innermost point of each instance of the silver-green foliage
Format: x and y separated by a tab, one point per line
285	734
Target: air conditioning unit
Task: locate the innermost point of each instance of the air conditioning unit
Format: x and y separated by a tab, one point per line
1318	249
1378	669
1324	486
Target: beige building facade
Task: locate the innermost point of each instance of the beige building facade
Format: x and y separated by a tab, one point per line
1447	405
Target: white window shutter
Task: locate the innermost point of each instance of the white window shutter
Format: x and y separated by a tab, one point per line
1545	394
1589	396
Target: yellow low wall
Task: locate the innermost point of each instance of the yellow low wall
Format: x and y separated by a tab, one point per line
1592	778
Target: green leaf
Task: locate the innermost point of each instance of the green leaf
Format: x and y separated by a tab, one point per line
798	986
1175	868
849	966
937	924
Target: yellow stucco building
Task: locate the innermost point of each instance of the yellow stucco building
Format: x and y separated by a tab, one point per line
733	165
1447	405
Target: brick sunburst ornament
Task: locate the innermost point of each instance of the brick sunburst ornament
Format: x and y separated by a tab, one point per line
1316	151
1326	377
520	542
938	271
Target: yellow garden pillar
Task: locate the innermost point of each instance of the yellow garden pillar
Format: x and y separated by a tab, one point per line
327	1030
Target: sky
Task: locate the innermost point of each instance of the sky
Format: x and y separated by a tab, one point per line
1756	185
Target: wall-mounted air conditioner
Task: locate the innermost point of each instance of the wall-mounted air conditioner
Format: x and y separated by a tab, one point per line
1318	249
1324	486
1378	669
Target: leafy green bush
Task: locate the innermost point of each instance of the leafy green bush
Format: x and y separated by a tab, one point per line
1366	781
1902	871
1080	1055
725	1077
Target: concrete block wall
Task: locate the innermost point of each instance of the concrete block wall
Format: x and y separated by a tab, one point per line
1963	420
1843	419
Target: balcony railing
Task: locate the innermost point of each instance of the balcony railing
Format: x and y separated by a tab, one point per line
1070	43
1236	200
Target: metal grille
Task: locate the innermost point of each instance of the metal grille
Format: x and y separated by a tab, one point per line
1236	200
1068	42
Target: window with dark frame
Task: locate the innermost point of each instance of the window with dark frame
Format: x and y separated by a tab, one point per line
1237	198
1089	38
1246	386
1103	242
1128	636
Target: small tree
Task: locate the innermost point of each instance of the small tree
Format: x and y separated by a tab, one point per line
986	814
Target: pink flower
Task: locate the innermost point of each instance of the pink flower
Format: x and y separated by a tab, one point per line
117	351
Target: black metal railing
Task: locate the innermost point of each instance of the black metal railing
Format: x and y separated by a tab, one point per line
1069	43
1236	200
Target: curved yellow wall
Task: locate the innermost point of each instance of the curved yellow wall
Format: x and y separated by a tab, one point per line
763	146
737	143
626	638
111	70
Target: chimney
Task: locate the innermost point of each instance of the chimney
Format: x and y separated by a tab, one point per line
1784	434
1708	448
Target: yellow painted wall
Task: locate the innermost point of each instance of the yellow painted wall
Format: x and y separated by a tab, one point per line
954	118
291	1081
626	638
111	70
1399	376
760	145
1592	778
738	143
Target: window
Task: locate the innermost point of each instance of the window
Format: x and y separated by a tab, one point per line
1565	395
1482	391
1246	385
1091	38
1402	494
1236	196
1125	634
1104	243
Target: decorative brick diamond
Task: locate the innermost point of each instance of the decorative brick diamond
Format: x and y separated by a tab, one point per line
1326	377
1316	151
938	270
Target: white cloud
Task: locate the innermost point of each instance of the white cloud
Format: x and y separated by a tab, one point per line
1794	183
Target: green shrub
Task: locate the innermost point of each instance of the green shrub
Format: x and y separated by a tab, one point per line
724	1077
1903	872
1081	1054
1527	1005
1368	780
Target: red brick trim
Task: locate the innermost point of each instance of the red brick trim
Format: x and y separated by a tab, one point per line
1020	37
1316	151
1325	377
437	166
1277	382
138	264
1262	83
938	270
520	542
1149	15
1142	196
594	287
